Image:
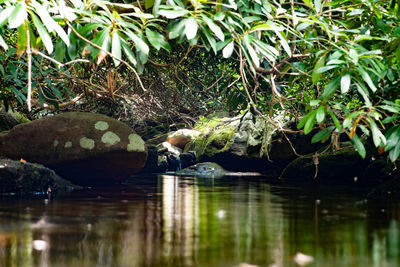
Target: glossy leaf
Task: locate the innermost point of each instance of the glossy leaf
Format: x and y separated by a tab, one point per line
4	14
191	28
116	47
60	51
320	136
140	44
320	114
18	15
367	78
394	153
214	27
326	68
377	136
335	120
44	35
3	43
316	76
309	125
359	146
157	40
331	87
228	50
345	83
173	14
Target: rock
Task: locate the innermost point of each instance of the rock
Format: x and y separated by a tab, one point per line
203	170
10	119
187	159
85	148
24	177
170	148
181	137
344	166
158	139
249	142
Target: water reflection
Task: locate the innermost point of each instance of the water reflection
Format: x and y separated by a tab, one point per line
171	221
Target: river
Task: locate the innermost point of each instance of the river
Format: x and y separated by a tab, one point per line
174	221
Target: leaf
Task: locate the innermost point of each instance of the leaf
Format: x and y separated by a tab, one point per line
345	83
321	135
173	14
157	40
390	108
377	136
317	5
228	49
364	93
129	53
367	79
269	26
50	23
335	120
140	44
331	87
177	29
251	51
191	28
315	75
326	68
394	153
314	102
4	14
359	146
393	138
22	39
148	4
18	15
60	50
303	121
310	122
44	35
214	27
284	43
116	47
3	43
320	114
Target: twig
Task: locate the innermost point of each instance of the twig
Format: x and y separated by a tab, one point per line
108	53
59	64
29	55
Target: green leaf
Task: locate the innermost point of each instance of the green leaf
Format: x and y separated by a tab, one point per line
377	136
3	43
315	75
326	68
331	87
60	50
320	136
317	5
191	28
177	29
284	43
394	153
364	93
50	23
214	27
18	15
4	14
209	39
335	120
148	4
173	14
251	51
269	26
359	146
303	121
22	39
157	40
44	35
345	83
393	138
314	102
129	53
320	114
140	44
310	122
116	47
367	79
227	51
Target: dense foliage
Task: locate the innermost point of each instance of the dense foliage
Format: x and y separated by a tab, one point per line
334	63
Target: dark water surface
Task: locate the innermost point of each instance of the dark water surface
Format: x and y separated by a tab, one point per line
171	221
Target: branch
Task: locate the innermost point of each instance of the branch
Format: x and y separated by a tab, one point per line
59	64
108	53
29	55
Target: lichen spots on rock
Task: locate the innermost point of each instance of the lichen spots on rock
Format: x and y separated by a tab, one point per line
101	125
68	144
110	138
136	143
86	143
55	143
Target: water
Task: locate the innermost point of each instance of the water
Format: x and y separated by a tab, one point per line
172	221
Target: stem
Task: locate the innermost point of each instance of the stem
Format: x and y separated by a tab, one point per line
29	55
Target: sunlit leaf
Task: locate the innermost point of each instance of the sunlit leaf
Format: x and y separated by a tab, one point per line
140	44
367	78
394	153
3	43
116	47
18	15
377	136
345	83
214	27
320	114
227	51
173	14
157	40
44	35
4	14
317	5
316	76
191	28
309	125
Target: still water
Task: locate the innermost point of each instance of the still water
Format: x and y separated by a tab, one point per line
171	221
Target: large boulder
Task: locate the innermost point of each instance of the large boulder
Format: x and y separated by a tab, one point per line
28	178
250	143
85	148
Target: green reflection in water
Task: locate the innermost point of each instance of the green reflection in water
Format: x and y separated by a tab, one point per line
171	221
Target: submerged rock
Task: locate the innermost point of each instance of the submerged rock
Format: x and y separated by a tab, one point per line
24	177
203	170
85	148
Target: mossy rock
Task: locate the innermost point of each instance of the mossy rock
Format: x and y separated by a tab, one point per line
10	119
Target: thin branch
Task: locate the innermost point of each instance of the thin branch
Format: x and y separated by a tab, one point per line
29	55
59	64
108	53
